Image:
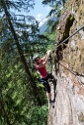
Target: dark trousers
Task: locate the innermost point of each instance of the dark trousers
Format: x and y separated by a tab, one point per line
45	82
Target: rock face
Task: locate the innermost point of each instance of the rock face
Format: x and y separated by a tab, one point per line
69	68
69	103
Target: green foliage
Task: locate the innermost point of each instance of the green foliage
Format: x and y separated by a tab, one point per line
51	42
53	2
17	100
71	18
15	89
39	116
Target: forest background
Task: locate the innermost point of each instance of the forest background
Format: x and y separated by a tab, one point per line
22	98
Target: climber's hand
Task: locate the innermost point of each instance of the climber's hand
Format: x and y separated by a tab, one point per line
48	52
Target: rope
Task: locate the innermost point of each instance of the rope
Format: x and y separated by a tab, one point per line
70	36
64	42
74	73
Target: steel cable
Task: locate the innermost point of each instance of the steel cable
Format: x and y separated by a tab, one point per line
70	36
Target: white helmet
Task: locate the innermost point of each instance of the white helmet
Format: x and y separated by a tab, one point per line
35	57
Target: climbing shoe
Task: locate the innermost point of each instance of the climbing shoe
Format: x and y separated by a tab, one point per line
51	103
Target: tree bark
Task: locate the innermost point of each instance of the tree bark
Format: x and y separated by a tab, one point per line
32	81
16	40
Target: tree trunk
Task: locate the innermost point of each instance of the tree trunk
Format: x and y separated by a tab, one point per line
16	40
32	81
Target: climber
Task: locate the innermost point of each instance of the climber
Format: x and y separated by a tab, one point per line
40	64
